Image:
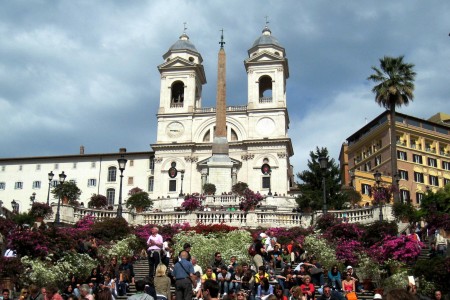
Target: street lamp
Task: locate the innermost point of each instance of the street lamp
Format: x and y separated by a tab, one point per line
32	198
1	208
377	176
62	178
50	178
182	177
323	161
15	206
122	163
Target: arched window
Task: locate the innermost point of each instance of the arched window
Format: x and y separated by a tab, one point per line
151	183
207	137
265	89
112	172
110	196
177	97
234	136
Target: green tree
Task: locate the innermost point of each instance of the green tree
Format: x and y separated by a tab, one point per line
311	188
67	190
395	87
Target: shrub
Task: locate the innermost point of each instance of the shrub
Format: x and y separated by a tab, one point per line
326	221
10	267
23	218
138	199
347	231
68	190
123	247
322	250
110	229
375	232
191	202
402	249
250	200
347	251
436	270
41	210
209	188
239	188
31	243
98	201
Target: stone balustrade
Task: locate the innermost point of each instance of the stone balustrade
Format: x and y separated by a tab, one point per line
252	219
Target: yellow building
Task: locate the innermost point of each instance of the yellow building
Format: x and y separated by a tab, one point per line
423	155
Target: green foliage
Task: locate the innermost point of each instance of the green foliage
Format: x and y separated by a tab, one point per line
110	229
376	231
396	281
67	190
239	188
123	247
353	196
405	211
326	221
436	270
23	218
438	202
46	272
98	201
41	210
311	188
139	199
233	243
209	188
322	250
368	268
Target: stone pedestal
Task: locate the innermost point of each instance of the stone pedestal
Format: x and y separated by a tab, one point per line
219	169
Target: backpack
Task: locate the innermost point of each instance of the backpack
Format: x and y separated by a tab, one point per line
252	249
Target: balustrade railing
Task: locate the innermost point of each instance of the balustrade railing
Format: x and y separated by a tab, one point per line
251	219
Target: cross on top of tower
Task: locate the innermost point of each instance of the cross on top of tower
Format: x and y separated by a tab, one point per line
185	28
267	20
221	39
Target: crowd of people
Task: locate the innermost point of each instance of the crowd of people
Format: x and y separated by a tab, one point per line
276	272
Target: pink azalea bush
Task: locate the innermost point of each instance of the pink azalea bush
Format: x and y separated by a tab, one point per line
250	200
192	202
405	249
348	231
347	251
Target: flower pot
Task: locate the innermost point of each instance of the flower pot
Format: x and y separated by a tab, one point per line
65	200
39	219
139	209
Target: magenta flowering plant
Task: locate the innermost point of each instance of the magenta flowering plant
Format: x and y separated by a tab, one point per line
41	210
348	251
250	200
192	202
347	231
404	249
25	242
382	194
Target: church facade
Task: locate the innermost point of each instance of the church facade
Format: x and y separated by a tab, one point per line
195	145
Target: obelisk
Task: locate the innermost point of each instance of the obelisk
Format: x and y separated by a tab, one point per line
220	164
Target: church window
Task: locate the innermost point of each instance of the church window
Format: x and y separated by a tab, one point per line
112	172
151	183
265	89
110	196
172	185
177	94
266	182
234	136
191	59
277	53
207	136
130	180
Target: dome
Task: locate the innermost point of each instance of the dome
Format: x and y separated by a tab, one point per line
183	44
266	39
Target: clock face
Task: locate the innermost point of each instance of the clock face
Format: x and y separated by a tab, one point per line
265	126
175	129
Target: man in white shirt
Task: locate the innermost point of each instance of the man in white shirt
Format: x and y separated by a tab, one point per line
155	244
197	268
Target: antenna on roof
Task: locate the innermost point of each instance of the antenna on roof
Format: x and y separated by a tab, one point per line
267	20
221	40
185	28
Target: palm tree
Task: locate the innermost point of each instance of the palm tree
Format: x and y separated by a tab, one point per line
395	88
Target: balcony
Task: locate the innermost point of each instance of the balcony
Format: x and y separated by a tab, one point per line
431	150
265	99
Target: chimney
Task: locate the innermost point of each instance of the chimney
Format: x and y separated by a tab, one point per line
81	150
122	150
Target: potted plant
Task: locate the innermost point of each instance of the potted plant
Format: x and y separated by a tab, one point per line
41	211
138	200
239	188
68	192
250	200
209	188
10	270
191	202
98	201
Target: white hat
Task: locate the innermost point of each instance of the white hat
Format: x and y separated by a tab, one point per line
350	267
377	296
263	235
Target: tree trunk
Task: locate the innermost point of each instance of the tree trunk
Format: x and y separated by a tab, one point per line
393	151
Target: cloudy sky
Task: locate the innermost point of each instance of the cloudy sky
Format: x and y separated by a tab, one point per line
85	72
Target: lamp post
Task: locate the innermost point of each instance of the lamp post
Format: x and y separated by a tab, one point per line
182	178
1	208
15	206
122	163
377	176
32	198
50	178
323	161
62	178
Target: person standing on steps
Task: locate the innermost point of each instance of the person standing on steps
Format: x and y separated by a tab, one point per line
182	272
155	244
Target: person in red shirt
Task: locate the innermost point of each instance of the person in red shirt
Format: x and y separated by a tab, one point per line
308	288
